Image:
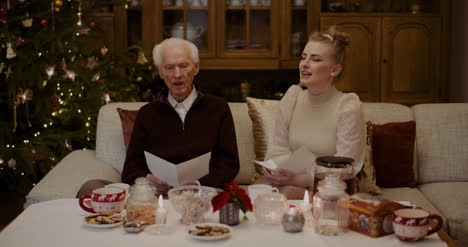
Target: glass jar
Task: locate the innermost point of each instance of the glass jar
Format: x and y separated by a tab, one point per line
142	203
331	206
269	207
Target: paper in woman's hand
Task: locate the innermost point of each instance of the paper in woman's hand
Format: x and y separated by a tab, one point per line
184	172
301	160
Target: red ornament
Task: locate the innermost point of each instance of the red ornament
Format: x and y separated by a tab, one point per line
92	24
44	22
3	16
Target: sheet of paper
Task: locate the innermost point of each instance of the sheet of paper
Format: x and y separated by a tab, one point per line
300	160
270	164
175	175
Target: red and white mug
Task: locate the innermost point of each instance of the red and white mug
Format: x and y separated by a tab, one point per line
107	199
412	224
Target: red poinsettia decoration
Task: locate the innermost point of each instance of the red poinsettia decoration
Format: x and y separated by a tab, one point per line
232	193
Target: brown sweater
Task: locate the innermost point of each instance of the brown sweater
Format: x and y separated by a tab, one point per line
208	127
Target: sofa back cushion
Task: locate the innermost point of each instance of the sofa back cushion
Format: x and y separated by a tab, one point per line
442	137
110	146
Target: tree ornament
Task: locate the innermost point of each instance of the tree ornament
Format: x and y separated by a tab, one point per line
12	163
3	16
141	58
139	79
92	62
58	3
10	52
44	22
107	98
8	72
104	50
96	77
92	24
2	162
70	74
68	145
63	64
19	41
2	65
50	71
27	22
55	106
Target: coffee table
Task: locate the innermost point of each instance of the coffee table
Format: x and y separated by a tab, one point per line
60	223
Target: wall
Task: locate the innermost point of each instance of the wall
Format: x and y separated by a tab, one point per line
459	52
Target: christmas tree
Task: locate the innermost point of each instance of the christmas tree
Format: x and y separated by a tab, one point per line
56	71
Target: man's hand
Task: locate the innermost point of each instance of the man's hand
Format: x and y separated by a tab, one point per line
161	186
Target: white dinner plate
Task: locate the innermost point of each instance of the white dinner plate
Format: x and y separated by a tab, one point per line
217	237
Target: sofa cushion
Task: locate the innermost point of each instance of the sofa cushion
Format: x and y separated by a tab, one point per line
443	196
367	176
127	118
245	142
110	146
442	134
262	112
393	153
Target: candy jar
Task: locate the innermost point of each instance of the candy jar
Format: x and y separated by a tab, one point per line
331	206
142	202
269	207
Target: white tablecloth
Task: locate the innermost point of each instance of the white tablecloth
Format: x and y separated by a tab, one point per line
59	223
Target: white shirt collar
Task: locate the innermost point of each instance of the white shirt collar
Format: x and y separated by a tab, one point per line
187	103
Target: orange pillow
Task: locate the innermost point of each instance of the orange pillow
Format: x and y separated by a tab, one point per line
393	153
127	117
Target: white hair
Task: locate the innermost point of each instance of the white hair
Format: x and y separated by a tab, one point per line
157	58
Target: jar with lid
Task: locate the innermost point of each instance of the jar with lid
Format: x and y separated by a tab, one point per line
142	203
331	206
339	165
269	207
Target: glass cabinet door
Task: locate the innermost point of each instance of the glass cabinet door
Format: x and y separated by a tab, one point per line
249	28
191	20
298	24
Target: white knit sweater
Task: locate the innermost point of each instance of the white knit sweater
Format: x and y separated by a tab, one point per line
328	124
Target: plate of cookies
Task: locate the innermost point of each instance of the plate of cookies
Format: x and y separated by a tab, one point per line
209	231
104	220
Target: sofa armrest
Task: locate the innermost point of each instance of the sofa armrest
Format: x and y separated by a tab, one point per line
66	178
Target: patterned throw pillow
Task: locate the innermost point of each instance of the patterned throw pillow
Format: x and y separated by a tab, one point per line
262	112
367	178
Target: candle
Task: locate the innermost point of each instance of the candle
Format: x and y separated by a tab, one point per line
306	209
306	202
161	212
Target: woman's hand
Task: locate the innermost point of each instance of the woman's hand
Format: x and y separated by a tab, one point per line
161	186
283	177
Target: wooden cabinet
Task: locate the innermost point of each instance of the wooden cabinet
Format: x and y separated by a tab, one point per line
411	60
362	72
391	59
398	54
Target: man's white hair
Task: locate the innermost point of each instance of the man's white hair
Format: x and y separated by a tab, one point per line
157	58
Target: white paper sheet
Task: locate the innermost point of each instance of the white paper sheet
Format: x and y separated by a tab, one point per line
184	172
301	160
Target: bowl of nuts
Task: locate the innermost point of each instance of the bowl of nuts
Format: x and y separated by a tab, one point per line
192	202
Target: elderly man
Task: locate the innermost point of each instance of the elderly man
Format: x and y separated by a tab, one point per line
183	123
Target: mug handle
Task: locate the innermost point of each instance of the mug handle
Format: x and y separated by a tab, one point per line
438	226
86	197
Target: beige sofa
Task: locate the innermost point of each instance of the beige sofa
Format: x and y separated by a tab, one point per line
441	164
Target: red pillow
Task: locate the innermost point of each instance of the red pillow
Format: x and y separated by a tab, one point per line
127	117
393	153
